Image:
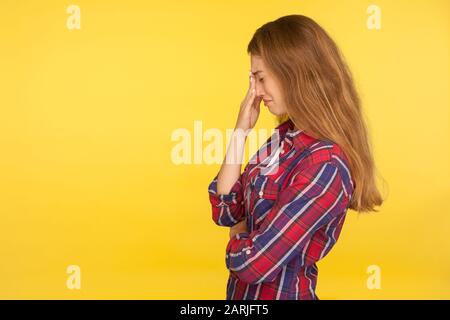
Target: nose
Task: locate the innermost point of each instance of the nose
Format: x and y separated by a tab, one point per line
259	90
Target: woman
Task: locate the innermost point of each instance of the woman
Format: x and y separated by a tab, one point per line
287	209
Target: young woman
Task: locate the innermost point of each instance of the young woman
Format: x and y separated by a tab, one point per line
287	209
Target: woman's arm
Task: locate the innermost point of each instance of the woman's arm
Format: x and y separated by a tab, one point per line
226	189
230	170
248	115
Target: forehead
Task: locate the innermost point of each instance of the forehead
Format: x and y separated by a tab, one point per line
257	64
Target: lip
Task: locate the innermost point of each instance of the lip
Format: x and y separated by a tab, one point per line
267	101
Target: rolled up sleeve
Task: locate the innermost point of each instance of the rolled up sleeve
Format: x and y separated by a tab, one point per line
227	209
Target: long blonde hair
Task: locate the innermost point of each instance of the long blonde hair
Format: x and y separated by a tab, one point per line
320	95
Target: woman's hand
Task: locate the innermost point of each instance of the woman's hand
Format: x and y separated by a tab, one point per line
238	227
250	108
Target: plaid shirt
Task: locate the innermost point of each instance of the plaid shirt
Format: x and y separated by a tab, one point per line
295	213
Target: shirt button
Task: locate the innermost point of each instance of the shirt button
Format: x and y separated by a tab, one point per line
261	193
247	252
242	202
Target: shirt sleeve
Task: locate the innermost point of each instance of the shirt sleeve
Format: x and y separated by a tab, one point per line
227	209
312	200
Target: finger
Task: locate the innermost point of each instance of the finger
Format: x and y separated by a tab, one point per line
258	107
251	80
257	101
248	100
251	85
251	97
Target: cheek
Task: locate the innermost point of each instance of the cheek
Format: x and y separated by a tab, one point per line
271	91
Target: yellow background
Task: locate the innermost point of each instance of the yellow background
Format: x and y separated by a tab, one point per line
86	117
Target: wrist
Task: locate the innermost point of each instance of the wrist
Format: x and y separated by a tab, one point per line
240	132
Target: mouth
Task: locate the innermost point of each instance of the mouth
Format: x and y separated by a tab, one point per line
267	101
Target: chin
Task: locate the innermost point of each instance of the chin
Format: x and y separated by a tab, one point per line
274	109
275	112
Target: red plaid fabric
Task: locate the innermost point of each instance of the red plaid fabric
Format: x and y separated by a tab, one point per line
295	207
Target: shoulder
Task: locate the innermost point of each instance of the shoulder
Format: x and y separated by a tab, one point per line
320	152
327	154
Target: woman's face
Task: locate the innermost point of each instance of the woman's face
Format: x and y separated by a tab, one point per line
267	87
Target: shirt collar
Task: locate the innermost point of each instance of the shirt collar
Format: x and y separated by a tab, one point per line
299	138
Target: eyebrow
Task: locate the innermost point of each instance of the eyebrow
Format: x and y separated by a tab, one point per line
257	72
